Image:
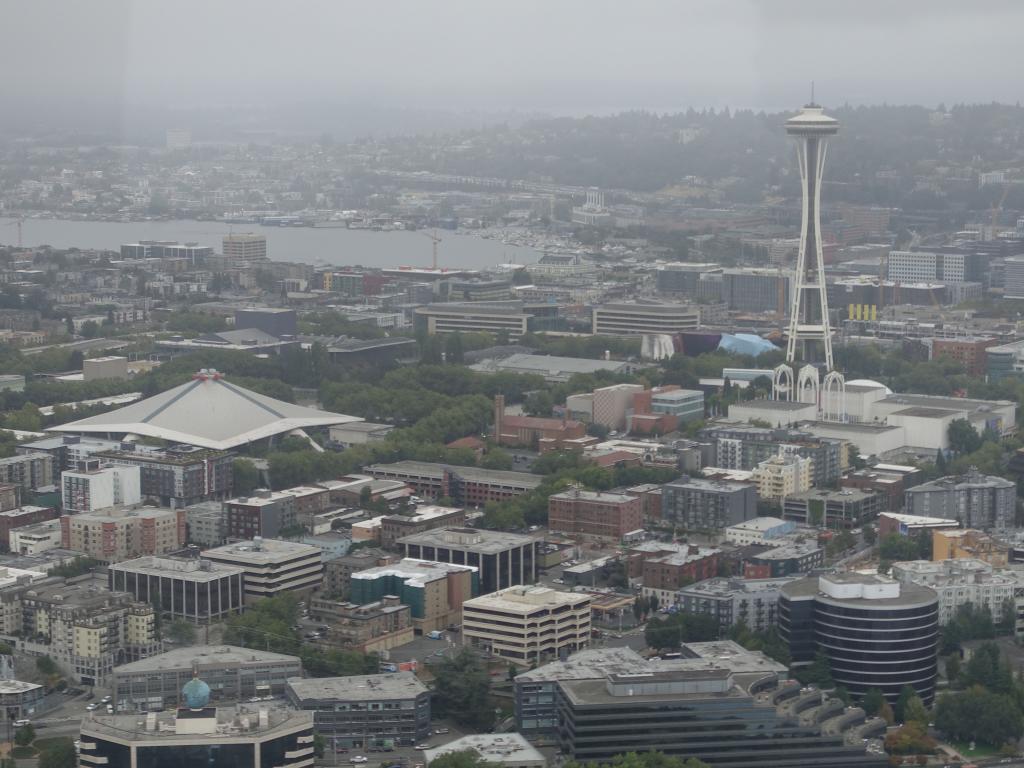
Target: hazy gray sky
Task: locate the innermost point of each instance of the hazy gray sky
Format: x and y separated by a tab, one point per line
559	56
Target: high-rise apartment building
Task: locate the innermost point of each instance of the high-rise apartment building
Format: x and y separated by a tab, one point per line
118	533
94	486
245	249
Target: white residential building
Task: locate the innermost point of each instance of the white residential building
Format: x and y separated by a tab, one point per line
963	581
759	530
93	486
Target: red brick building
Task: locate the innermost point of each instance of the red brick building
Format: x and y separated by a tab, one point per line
20	516
674	570
527	430
605	515
969	352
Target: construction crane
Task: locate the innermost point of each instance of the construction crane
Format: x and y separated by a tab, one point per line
435	240
17	222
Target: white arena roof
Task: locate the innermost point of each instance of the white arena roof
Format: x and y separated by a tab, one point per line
209	412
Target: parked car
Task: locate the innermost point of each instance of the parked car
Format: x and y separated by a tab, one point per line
91	706
421	747
22	723
358	759
440	731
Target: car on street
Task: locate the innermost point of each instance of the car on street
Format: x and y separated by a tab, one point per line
440	731
422	747
22	723
91	706
358	759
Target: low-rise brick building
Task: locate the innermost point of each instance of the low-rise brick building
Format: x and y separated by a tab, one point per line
593	513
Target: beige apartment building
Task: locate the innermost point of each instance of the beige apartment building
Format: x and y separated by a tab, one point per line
117	534
528	624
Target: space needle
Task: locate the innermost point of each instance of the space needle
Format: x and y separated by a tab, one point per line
810	336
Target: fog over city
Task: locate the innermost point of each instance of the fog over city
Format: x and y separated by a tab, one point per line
564	58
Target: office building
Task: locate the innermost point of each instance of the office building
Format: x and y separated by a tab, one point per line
970	352
364	711
682	278
83	627
192	253
685	404
751	602
626	319
195	590
359	433
35	539
985	502
115	534
781	476
178	476
927	267
271	566
755	290
824	508
19	517
893	523
962	581
955	544
68	450
424	518
1005	359
593	513
94	486
434	591
206	524
465	486
877	632
699	504
500	318
507	750
888	481
275	321
200	734
108	367
234	674
245	250
719	703
20	699
30	471
527	625
759	530
502	559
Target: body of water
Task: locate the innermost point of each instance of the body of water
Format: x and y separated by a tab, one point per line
319	245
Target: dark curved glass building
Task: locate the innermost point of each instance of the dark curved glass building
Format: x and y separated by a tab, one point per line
876	632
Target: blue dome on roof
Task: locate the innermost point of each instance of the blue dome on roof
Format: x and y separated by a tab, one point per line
196	693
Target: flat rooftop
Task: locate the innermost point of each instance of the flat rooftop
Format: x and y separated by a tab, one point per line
910	594
493	748
365	427
120	514
192	569
605	497
396	685
526	599
237	722
722	587
417	573
10	687
267	550
469	539
204	657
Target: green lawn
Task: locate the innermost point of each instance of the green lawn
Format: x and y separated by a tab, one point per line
963	747
42	744
23	752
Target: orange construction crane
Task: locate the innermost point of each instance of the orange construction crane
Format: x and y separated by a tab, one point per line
435	240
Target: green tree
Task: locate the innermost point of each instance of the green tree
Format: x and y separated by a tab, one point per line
940	463
496	458
58	753
47	666
963	437
872	701
453	352
818	672
90	328
462	691
465	758
907	693
953	667
181	631
914	711
267	625
245	477
25	735
979	715
319	744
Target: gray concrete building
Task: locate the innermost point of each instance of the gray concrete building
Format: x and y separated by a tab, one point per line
985	502
697	503
365	711
233	674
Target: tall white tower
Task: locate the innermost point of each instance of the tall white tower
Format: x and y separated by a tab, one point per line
808	318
